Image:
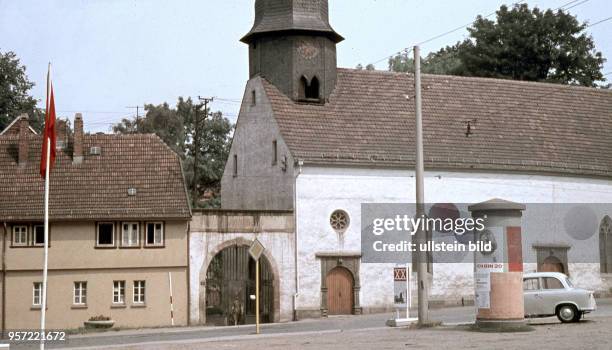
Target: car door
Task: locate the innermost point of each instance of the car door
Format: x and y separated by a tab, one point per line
531	296
552	292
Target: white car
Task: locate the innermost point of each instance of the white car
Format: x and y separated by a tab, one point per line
552	293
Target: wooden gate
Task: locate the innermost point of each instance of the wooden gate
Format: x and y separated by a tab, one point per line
339	282
230	280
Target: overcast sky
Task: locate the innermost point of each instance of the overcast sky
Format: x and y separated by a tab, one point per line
111	54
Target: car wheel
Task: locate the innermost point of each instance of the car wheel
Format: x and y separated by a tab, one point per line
567	313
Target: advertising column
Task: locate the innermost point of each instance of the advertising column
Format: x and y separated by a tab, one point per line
498	271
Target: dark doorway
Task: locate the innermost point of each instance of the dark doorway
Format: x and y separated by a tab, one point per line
230	281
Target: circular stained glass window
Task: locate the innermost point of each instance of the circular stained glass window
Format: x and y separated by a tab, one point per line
339	220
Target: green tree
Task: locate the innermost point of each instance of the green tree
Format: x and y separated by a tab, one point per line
368	67
521	44
14	92
176	127
444	61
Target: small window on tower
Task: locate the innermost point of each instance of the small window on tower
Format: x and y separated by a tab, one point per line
235	165
253	98
274	152
312	90
309	91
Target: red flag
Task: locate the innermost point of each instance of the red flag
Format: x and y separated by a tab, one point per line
49	134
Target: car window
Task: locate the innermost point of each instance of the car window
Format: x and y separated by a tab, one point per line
569	283
531	284
552	283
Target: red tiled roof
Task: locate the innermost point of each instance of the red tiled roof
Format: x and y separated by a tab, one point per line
516	126
13	128
96	189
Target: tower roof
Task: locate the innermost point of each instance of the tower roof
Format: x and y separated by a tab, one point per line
283	16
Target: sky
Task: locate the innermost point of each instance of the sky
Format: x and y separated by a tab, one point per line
108	55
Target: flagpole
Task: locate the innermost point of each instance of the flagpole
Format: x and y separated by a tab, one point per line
46	258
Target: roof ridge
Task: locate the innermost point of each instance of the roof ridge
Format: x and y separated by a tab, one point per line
488	79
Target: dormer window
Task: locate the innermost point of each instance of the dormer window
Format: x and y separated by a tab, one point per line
309	91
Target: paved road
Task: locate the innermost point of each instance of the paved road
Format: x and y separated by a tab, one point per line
305	328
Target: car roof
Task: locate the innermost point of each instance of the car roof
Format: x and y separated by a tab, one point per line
544	274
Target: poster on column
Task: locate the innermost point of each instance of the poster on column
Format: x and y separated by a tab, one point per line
487	262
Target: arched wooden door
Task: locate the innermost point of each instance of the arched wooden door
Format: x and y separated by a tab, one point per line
339	282
551	264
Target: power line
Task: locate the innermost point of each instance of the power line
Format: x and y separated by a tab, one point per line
91	112
599	22
437	36
406	50
578	4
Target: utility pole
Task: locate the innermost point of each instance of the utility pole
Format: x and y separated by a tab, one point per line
421	236
137	116
204	101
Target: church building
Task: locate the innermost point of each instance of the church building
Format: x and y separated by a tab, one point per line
313	142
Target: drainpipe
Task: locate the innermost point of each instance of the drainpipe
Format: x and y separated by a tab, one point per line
4	279
295	237
189	272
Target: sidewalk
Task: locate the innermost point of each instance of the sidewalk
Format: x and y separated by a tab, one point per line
285	333
448	316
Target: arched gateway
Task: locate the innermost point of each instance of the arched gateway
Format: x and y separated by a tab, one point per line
230	281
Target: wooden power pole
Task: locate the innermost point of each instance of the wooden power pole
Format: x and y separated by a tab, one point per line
421	236
204	101
137	117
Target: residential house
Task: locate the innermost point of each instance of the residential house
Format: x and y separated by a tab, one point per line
118	228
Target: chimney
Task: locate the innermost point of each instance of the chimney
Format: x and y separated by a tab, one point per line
77	156
24	142
61	133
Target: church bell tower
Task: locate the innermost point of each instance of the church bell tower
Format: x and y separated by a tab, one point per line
293	46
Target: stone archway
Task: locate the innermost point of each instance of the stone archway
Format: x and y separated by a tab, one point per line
215	289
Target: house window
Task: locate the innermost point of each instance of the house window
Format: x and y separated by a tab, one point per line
105	234
155	234
118	292
129	234
139	292
37	294
80	293
20	235
235	165
39	235
274	152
